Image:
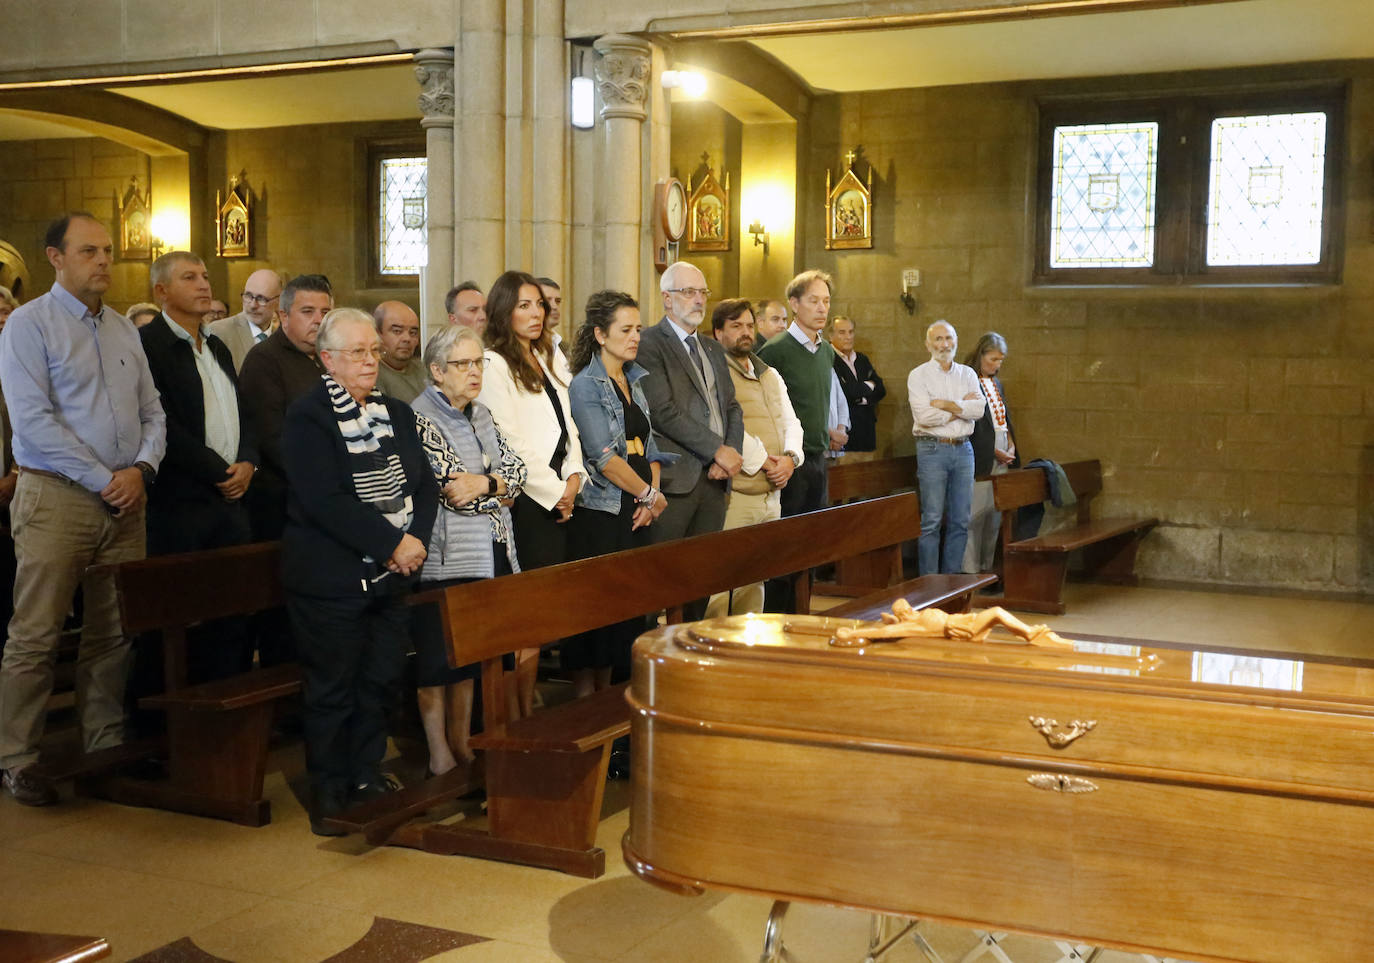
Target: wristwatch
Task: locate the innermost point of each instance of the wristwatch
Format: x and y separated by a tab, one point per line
796	459
491	484
148	471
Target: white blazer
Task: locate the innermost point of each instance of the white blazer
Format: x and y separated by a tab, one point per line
531	427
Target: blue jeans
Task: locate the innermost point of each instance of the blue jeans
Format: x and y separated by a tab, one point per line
945	476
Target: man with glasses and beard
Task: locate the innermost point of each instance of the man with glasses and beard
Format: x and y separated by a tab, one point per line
693	408
945	404
256	322
772	441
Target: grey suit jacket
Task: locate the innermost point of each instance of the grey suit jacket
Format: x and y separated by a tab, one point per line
237	334
678	407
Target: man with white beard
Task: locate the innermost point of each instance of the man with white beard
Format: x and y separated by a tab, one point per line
945	404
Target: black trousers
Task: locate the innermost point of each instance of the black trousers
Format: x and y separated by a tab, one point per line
807	490
352	653
698	511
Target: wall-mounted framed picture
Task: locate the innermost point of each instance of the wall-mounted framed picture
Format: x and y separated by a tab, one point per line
234	220
848	209
709	224
135	208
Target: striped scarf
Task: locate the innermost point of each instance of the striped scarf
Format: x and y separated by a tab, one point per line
378	476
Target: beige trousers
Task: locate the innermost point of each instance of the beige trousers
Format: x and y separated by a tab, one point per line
60	529
744	510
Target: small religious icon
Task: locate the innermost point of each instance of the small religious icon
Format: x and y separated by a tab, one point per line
710	211
848	221
135	234
234	219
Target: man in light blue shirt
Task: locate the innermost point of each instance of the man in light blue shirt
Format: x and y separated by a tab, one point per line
89	433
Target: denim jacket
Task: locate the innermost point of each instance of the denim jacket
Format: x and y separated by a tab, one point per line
601	423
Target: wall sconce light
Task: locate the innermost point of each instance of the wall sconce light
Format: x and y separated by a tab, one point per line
583	103
689	82
760	234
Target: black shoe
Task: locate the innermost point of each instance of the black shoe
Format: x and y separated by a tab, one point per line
619	765
28	788
363	791
328	803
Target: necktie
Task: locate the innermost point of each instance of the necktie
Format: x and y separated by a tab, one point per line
695	352
260	337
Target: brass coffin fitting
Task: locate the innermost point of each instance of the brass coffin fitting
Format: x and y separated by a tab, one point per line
1058	740
1054	782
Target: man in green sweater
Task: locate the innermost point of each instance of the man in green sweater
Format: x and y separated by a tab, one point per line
806	363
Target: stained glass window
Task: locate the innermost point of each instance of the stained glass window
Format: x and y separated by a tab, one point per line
1264	203
403	240
1103	195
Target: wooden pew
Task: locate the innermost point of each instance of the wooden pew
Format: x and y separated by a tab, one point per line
861	574
21	946
1034	569
217	732
545	774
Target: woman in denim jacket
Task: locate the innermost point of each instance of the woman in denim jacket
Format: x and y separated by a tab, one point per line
620	498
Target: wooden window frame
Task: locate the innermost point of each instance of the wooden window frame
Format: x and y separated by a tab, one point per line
377	151
1185	121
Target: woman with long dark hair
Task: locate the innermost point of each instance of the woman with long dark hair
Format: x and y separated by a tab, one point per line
621	498
526	390
994	452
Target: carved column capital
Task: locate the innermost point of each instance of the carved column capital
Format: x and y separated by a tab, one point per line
622	75
434	73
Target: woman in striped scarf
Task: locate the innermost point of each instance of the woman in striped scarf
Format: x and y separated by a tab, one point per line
361	503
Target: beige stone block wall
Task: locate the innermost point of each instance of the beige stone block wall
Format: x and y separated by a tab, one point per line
1242	418
40	180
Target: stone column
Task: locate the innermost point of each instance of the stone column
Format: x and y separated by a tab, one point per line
480	145
434	71
622	78
549	154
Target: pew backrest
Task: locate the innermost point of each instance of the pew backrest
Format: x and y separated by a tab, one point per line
871	479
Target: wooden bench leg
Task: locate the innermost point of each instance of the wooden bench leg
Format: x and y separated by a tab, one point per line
1113	560
216	762
542	810
1034	581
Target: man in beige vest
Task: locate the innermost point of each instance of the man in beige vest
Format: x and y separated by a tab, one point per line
772	441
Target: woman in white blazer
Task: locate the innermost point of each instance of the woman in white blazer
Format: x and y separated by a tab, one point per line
526	390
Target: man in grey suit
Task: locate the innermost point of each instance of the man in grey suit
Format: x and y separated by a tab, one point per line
693	409
256	321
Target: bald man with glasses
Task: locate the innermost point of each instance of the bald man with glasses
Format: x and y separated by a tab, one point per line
256	322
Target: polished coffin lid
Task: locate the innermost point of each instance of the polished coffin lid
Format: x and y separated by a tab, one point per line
1224	719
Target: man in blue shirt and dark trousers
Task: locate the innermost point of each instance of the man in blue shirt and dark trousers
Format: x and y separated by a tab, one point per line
89	433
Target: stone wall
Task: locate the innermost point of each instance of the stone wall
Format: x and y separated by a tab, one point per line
1242	417
310	185
39	179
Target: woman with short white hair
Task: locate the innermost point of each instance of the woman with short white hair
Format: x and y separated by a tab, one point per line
361	502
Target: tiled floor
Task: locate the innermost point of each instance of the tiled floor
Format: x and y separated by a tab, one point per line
146	879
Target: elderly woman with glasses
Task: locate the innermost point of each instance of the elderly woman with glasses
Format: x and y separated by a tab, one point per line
361	503
479	473
526	388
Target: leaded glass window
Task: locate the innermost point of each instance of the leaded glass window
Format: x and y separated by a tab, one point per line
1103	195
403	243
1266	179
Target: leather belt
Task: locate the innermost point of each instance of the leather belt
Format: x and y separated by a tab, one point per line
46	474
943	441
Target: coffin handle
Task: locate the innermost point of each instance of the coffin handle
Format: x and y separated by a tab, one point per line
1057	782
1058	740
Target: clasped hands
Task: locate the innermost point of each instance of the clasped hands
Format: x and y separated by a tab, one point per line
726	464
407	557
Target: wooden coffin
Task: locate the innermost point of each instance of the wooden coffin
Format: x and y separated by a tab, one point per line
1201	805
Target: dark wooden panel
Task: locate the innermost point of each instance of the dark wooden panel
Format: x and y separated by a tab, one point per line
871	479
494	616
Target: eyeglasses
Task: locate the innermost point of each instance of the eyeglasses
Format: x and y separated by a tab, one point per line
463	364
258	299
357	354
691	292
